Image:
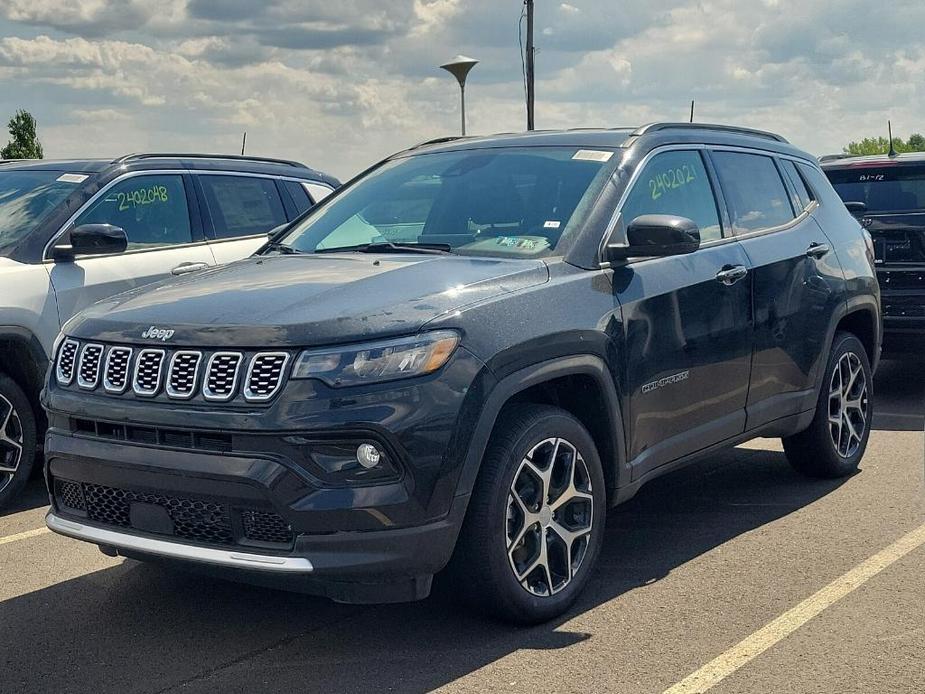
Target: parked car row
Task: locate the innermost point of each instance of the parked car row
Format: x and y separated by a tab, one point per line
457	362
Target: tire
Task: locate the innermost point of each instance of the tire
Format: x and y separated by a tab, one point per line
833	445
17	439
482	569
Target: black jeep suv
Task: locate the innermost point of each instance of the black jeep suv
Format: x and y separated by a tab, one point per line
463	357
888	195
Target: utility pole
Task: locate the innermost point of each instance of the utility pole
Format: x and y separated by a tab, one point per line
530	51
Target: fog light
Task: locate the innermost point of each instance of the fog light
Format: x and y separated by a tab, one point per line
368	455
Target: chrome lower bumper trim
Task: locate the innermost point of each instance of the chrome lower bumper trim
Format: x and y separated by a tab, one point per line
176	550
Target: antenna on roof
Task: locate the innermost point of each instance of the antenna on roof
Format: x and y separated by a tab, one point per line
892	152
243	143
692	110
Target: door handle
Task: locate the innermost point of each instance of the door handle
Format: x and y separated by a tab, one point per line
730	274
817	250
186	268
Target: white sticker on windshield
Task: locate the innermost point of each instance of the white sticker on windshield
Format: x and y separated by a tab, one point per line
551	224
72	178
593	155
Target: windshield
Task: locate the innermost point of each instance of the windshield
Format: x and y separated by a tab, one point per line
494	202
27	197
889	188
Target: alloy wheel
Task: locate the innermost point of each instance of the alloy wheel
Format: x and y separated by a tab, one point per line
550	515
11	441
848	405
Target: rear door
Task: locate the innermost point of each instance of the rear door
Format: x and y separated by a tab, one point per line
687	321
164	239
240	210
796	278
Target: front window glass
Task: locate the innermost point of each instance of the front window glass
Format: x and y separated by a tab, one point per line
675	183
495	202
152	211
27	197
890	188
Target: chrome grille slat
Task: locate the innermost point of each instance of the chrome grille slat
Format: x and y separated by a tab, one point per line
221	379
115	373
183	374
88	368
67	360
148	373
264	375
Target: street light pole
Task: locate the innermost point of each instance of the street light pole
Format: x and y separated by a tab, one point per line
459	67
530	67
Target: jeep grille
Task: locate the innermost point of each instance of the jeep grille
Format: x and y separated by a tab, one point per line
182	374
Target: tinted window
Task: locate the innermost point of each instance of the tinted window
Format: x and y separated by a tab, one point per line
803	196
27	197
299	196
754	191
675	183
890	188
242	205
497	202
151	209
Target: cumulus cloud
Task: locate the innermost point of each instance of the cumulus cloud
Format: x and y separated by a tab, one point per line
342	84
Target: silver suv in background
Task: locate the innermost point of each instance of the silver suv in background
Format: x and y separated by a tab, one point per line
74	232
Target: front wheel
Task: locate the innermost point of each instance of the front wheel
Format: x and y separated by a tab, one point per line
835	442
536	519
17	439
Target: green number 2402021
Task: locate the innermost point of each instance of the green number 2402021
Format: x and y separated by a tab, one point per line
142	196
669	180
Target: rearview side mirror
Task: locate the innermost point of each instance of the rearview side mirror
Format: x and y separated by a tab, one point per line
90	239
656	235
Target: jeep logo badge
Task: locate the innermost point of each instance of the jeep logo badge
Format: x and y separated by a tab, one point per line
155	333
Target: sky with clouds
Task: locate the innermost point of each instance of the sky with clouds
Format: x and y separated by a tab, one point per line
341	83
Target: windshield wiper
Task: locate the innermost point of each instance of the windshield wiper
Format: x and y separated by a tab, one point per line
282	248
389	247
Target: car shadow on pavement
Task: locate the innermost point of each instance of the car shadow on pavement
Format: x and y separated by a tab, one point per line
899	395
33	495
145	628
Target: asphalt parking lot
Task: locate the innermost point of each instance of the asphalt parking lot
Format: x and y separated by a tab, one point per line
693	570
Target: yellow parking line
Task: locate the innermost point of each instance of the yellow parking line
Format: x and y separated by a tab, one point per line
757	643
23	536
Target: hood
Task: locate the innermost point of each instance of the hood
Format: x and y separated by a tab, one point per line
303	300
898	238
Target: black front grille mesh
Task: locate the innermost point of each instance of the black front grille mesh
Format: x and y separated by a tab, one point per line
88	373
264	375
67	358
263	526
223	376
115	375
199	520
147	379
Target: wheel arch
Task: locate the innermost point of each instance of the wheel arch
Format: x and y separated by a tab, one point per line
23	359
579	384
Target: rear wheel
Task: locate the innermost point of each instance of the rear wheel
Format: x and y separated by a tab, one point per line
17	439
535	522
835	442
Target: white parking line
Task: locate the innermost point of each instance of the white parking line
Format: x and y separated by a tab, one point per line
775	631
24	535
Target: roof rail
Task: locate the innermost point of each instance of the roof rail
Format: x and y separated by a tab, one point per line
436	141
651	127
192	155
833	157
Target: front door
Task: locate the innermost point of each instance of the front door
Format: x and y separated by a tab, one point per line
687	322
153	210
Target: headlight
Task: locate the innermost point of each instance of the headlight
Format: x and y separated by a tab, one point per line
372	362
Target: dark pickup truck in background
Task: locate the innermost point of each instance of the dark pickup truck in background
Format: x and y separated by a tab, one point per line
892	190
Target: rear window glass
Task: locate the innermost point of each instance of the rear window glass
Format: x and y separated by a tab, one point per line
891	188
27	197
803	196
299	196
755	193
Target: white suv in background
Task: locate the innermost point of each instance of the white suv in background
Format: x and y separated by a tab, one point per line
75	232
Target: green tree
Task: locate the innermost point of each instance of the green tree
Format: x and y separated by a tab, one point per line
881	145
25	142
